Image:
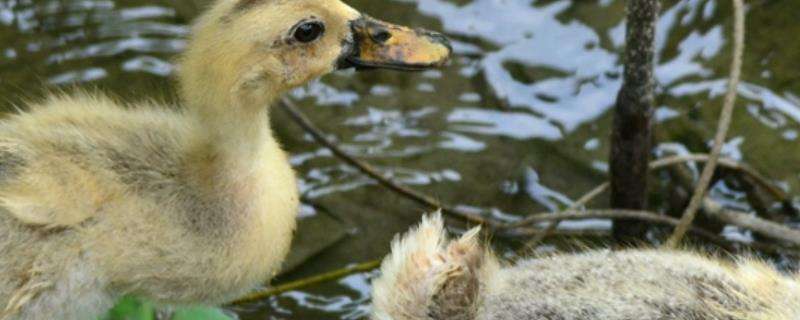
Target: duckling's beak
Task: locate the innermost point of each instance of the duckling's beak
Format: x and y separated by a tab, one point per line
378	44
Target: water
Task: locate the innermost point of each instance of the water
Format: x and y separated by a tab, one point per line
518	123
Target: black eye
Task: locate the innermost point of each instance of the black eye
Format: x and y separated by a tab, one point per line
309	31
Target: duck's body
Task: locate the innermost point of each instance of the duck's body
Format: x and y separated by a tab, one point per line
426	277
100	199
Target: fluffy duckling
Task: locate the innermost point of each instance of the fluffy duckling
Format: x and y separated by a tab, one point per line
426	276
100	199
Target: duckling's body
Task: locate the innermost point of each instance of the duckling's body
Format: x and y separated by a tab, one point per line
426	277
187	205
138	191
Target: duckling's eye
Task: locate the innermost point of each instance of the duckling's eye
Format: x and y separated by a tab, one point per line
309	31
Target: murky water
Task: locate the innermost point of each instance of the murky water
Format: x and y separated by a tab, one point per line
518	123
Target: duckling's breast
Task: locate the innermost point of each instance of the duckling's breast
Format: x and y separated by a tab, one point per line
264	207
192	245
195	228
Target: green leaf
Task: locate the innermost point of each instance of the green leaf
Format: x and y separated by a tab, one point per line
130	308
200	313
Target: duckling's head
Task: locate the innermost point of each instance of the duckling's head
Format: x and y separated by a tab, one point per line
248	52
426	276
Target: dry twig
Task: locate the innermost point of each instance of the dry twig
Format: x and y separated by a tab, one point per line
722	129
373	173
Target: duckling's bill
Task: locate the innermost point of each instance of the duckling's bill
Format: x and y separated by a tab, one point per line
378	44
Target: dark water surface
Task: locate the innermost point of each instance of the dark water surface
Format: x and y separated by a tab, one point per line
518	123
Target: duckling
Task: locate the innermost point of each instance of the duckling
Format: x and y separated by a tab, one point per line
427	276
100	199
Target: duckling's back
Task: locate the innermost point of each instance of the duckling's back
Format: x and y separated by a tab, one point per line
59	198
639	284
428	277
65	157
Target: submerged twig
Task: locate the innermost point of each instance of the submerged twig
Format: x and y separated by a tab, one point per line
306	282
373	173
740	219
722	129
670	161
752	222
582	201
751	173
617	214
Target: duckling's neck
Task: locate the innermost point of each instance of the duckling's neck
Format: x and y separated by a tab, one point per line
233	136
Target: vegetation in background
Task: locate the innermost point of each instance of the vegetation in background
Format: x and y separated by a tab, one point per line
130	308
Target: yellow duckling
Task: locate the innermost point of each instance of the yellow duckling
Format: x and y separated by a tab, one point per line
197	205
428	277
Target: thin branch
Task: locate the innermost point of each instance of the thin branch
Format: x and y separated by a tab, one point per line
527	232
616	214
656	218
752	222
373	173
306	282
722	129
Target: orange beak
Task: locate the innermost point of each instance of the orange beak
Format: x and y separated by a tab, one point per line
378	44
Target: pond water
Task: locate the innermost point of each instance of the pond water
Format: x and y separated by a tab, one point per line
517	123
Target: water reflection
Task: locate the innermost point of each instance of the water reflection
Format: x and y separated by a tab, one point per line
349	302
518	123
498	123
64	38
569	82
352	306
767	101
325	95
339	178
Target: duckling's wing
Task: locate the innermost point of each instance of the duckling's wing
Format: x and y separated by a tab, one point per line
38	190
